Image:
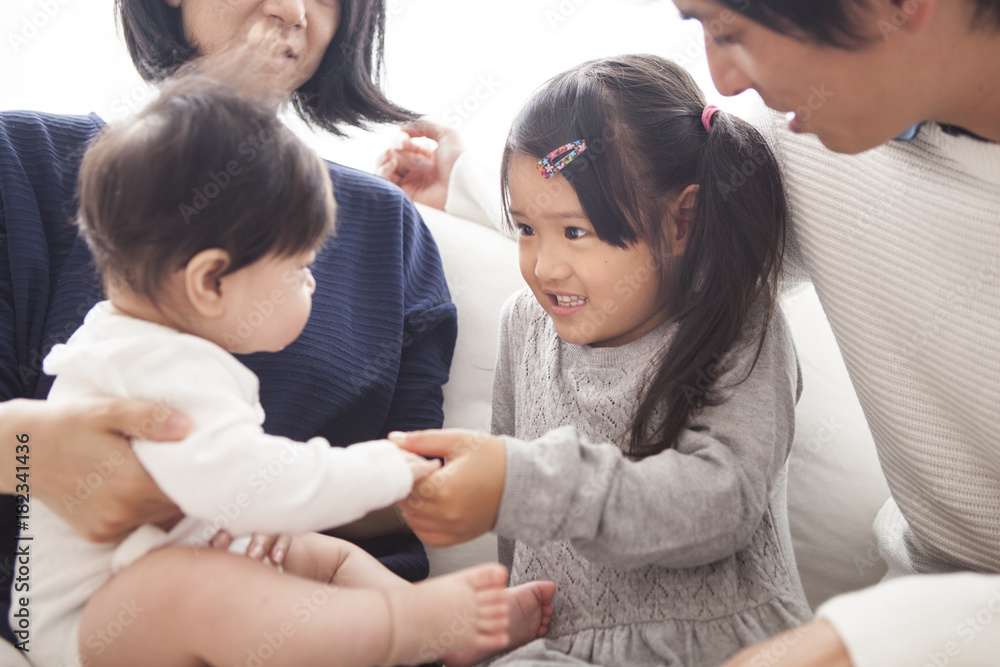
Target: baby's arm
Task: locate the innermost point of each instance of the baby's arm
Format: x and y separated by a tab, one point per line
229	471
687	506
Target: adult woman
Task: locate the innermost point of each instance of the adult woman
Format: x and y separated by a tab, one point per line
378	345
906	271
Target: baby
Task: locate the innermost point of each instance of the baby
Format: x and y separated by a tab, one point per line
203	214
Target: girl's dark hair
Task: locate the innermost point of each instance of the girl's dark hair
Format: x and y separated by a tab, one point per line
201	167
345	90
838	23
641	118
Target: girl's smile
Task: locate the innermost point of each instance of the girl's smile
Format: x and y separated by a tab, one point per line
564	305
596	293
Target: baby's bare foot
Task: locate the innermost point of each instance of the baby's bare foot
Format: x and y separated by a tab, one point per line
464	611
530	612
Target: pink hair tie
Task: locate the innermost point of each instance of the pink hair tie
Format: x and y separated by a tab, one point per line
706	116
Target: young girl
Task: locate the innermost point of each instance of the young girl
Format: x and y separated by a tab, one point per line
650	232
204	214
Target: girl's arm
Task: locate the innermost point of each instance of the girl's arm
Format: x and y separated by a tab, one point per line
687	506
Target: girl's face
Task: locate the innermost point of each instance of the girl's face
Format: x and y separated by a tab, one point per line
267	304
852	100
595	293
293	34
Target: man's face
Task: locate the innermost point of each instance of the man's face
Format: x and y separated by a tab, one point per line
852	99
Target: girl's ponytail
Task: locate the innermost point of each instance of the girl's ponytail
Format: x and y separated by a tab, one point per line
726	278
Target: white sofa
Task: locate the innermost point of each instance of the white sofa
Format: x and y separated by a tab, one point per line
835	484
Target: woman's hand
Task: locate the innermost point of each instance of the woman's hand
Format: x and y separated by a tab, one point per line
461	500
82	466
422	172
814	644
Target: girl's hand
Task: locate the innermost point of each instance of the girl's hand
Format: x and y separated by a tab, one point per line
82	466
422	172
274	547
461	501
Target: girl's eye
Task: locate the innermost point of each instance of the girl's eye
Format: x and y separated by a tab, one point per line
574	233
525	230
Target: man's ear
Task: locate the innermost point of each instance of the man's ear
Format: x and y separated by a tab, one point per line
203	281
679	224
909	15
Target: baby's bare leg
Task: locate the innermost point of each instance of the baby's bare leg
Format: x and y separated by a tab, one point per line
179	607
335	561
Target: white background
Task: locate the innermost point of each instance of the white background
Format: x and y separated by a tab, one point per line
467	63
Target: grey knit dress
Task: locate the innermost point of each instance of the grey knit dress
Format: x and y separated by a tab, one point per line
682	558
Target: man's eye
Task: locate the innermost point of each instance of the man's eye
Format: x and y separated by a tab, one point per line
721	40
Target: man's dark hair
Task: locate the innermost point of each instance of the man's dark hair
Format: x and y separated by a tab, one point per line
201	167
345	90
835	22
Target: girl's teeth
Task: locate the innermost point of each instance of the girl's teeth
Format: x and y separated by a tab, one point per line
570	300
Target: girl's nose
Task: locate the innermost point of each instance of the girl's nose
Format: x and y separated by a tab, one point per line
552	266
290	12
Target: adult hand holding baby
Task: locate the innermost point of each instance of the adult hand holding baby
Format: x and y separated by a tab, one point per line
74	445
460	501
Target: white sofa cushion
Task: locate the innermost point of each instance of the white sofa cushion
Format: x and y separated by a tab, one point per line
480	266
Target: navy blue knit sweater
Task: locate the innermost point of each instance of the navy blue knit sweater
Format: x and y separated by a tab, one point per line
372	358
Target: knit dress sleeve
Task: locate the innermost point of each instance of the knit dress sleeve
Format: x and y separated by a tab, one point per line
687	506
39	156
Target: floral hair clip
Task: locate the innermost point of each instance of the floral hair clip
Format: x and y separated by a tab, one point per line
560	157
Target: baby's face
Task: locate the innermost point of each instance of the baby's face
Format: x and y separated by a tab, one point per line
595	293
267	304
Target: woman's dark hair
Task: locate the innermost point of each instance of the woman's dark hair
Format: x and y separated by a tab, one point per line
345	90
641	118
201	167
838	23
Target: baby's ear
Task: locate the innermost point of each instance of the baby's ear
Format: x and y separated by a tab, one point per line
203	278
681	214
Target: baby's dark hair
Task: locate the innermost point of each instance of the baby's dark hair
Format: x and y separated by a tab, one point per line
641	118
201	167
